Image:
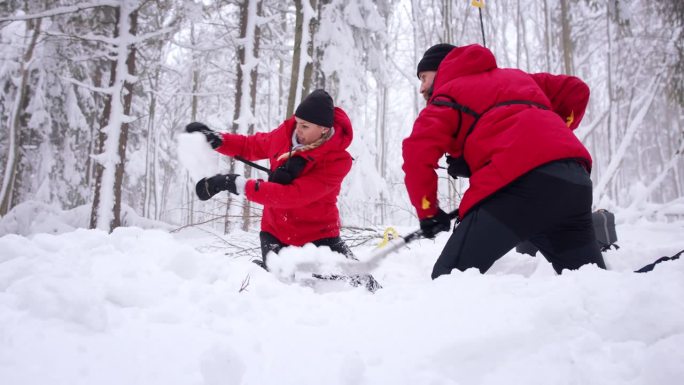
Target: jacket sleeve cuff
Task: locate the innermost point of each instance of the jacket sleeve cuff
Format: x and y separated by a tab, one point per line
251	186
240	185
231	145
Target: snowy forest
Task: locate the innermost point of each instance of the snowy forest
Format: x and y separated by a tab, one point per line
95	93
113	271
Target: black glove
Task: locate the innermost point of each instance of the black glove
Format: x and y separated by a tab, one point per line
286	173
208	187
457	167
213	137
435	224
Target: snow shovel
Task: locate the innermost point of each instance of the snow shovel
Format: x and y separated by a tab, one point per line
370	264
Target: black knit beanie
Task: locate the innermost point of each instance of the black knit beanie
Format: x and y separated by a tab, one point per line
317	108
433	56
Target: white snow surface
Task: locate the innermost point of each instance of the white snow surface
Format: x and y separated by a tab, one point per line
149	306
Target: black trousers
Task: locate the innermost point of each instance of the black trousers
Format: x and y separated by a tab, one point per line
550	206
270	243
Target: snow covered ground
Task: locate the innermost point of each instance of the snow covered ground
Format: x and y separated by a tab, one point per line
146	306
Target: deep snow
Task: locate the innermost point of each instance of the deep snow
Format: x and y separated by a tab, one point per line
153	307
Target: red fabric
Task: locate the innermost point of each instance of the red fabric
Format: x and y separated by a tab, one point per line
507	142
305	210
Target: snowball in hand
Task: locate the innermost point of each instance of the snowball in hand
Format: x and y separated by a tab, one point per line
196	156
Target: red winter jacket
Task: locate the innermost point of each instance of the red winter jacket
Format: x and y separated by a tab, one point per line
507	141
306	209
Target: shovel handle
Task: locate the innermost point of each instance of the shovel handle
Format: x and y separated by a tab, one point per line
419	233
371	263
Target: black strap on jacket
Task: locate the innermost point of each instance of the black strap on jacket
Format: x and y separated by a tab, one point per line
451	103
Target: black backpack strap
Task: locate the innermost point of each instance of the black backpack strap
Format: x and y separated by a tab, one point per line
511	102
451	103
503	104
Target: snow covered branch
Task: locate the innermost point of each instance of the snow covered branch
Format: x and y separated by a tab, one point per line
634	124
61	11
107	90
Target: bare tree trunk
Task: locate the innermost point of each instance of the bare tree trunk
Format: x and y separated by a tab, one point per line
318	77
193	116
156	196
123	134
243	121
308	68
611	137
237	111
547	37
566	38
256	31
447	14
91	165
302	73
518	34
381	142
296	57
282	102
20	104
523	38
415	19
113	137
150	169
464	24
100	138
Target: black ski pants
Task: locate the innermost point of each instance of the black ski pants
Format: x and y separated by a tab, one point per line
550	206
271	243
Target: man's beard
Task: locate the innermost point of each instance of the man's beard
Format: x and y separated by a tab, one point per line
428	94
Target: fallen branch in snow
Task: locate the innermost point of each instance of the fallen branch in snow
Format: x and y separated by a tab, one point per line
357	236
197	224
245	283
243	252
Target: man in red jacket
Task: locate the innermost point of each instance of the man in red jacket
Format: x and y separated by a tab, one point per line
308	159
510	132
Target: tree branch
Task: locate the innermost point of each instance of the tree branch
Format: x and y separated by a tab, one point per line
108	90
61	11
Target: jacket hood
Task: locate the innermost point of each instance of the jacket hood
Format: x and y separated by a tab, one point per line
462	61
343	128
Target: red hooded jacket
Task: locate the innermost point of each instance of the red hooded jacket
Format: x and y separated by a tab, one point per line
507	141
305	210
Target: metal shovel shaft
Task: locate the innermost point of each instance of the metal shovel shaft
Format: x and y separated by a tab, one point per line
370	264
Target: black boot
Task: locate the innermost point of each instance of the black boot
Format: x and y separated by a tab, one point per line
260	263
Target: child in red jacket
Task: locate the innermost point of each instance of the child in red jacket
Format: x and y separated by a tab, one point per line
510	132
308	160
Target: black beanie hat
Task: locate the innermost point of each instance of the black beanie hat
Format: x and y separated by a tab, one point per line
317	108
433	56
